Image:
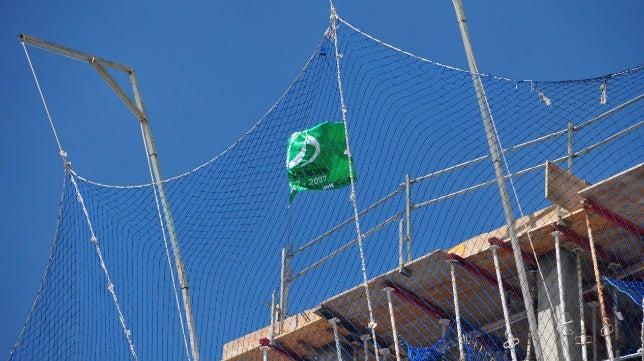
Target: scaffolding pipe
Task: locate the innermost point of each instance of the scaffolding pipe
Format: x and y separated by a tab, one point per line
264	352
393	322
562	301
284	288
496	160
580	292
511	341
593	307
334	322
571	129
138	110
271	333
365	345
457	312
408	211
444	322
600	294
401	244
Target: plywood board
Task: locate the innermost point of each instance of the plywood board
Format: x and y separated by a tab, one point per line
562	187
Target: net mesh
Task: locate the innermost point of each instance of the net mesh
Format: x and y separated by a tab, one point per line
405	116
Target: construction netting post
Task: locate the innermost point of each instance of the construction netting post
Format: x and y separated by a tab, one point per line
137	108
500	177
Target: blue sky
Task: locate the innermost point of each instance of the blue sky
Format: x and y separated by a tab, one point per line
209	70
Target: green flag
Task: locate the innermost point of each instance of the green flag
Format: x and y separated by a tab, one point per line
316	159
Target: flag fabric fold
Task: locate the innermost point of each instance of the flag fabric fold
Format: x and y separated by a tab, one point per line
316	159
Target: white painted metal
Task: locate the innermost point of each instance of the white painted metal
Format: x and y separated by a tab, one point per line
562	301
334	322
506	314
393	322
582	322
457	312
496	160
139	111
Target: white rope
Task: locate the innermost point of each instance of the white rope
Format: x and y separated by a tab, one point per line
167	250
79	197
457	312
44	103
334	34
511	341
642	328
99	253
46	274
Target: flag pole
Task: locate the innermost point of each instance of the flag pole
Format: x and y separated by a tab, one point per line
495	154
137	108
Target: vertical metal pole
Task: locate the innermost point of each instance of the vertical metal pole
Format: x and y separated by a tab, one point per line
594	306
457	312
506	314
271	334
444	324
408	211
600	295
495	154
401	244
365	345
284	288
334	322
582	321
264	353
562	301
158	181
393	322
571	129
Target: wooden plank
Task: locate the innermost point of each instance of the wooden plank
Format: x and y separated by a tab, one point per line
562	187
430	278
622	193
250	342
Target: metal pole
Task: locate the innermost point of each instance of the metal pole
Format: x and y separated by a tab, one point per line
508	330
444	322
594	306
600	295
582	322
264	352
562	300
571	129
401	244
271	333
334	322
393	322
138	110
495	154
158	181
408	211
457	312
71	53
284	288
365	345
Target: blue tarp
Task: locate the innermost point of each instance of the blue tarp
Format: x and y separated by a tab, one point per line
633	289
